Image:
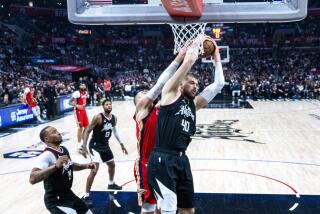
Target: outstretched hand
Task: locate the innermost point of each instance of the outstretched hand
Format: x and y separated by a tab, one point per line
124	150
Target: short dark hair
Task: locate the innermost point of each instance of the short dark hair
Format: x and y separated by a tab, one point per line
106	100
43	133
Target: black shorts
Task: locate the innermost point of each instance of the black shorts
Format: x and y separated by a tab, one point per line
170	178
100	153
61	203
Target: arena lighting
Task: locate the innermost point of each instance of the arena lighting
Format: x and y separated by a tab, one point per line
30	3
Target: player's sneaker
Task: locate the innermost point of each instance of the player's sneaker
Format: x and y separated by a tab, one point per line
80	151
87	201
114	186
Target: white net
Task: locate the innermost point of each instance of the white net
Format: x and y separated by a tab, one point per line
185	33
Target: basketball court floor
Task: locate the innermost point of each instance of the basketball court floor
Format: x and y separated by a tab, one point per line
264	159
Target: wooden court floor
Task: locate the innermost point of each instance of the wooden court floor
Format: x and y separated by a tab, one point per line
273	148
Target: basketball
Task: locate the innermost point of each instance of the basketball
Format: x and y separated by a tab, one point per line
208	48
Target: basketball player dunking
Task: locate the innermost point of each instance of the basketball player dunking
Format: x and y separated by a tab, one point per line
146	118
102	125
55	169
169	173
79	102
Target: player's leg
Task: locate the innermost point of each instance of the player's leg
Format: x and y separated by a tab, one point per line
149	203
79	120
79	205
185	187
95	157
108	158
61	205
36	113
85	123
111	170
162	180
91	177
79	137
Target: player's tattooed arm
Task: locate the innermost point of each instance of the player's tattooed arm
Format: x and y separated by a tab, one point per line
78	166
95	120
38	175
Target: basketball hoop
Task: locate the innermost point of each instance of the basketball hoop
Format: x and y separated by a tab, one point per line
185	33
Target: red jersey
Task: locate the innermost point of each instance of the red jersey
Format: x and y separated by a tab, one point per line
81	98
30	100
146	134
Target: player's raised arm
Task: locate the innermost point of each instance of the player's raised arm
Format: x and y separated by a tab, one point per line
213	89
144	104
171	88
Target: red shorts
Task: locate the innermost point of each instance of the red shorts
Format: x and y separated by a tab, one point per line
144	193
81	118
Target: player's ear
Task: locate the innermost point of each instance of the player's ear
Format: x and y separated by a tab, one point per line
45	139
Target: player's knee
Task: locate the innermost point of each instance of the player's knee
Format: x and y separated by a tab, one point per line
111	164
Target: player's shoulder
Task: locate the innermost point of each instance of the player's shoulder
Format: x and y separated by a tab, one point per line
97	118
76	94
46	155
26	90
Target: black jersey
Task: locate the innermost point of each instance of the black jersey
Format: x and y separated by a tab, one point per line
61	180
176	124
102	132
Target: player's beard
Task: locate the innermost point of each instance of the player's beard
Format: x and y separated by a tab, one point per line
188	94
107	111
59	141
82	89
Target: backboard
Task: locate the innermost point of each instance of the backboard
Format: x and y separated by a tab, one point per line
115	12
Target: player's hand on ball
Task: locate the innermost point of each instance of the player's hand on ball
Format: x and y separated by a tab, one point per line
124	150
62	160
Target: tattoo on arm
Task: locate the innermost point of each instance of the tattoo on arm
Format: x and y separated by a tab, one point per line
78	167
91	126
38	175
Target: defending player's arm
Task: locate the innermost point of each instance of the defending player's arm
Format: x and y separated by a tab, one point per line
213	89
144	104
116	135
95	120
43	171
171	88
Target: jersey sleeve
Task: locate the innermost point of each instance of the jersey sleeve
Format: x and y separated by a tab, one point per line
76	94
26	90
45	160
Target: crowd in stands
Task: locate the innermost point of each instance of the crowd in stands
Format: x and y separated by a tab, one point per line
264	63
